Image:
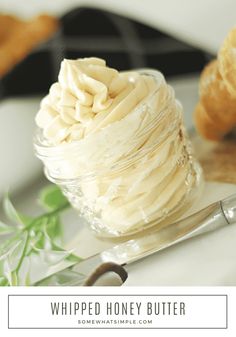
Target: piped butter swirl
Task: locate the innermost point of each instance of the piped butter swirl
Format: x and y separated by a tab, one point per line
88	96
122	141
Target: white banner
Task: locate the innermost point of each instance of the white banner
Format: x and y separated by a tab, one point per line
82	308
117	311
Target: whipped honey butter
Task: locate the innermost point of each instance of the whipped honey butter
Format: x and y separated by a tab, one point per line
116	144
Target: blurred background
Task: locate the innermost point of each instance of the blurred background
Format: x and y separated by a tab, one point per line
175	37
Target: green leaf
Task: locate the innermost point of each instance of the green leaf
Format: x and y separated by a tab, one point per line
71	257
24	272
16	252
14	278
34	237
8	249
74	258
7	272
3	281
51	198
53	257
16	257
13	214
6	229
54	227
25	219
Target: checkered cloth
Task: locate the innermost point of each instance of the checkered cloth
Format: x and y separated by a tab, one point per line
123	43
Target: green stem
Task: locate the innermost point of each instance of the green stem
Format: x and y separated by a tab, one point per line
33	223
45	215
26	229
22	255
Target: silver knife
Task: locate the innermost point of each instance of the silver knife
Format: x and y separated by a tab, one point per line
215	216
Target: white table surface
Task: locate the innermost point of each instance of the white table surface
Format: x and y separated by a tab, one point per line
19	166
203	23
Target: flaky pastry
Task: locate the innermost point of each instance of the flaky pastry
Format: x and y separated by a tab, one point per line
215	114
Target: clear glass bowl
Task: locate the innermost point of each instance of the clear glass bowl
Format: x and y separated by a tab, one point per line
141	178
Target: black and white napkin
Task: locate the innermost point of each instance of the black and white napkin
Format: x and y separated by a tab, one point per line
122	42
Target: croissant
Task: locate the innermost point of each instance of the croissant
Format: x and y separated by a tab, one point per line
215	113
18	38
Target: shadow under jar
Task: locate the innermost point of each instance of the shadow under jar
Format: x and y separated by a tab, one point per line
132	175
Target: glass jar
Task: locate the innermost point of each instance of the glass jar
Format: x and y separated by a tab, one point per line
135	175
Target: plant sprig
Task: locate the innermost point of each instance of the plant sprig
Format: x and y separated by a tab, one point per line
33	242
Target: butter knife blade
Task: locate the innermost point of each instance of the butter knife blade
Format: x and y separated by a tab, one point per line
215	216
